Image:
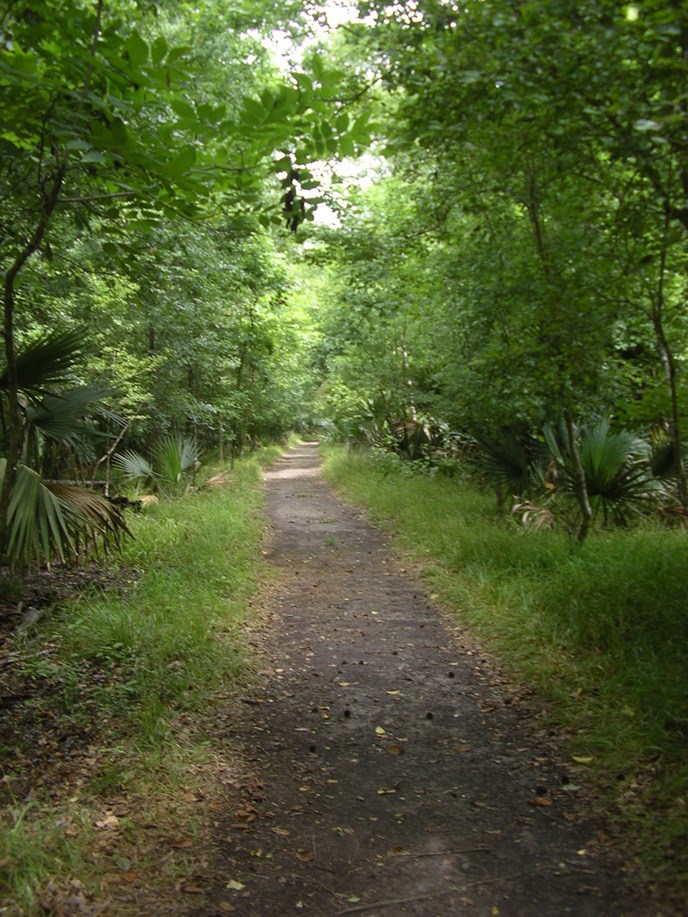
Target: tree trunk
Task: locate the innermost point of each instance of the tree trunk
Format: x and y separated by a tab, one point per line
580	484
667	356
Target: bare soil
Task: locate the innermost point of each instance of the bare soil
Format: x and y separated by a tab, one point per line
392	772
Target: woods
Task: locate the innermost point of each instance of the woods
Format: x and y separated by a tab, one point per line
454	235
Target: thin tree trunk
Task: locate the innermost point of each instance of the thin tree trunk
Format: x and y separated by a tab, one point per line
221	442
670	368
581	487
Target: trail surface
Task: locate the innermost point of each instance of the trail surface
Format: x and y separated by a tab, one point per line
391	775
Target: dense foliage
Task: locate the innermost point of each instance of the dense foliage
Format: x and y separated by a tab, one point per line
520	262
145	154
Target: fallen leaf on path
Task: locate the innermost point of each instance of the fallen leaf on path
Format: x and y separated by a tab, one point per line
385	791
281	831
580	760
192	889
110	821
225	907
234	885
540	801
182	844
395	750
129	876
380	731
392	693
306	856
462	748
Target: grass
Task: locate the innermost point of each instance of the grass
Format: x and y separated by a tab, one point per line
600	631
131	676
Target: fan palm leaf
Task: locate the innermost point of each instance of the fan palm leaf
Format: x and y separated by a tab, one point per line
133	465
617	470
60	417
506	460
49	520
46	362
175	456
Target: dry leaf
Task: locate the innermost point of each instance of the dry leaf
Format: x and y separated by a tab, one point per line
305	855
234	885
380	731
540	801
110	821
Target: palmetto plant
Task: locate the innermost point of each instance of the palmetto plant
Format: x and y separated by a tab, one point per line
508	461
617	470
174	457
47	519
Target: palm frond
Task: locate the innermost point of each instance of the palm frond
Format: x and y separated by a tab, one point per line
533	516
60	417
52	520
104	517
617	470
46	361
133	465
507	460
39	526
175	456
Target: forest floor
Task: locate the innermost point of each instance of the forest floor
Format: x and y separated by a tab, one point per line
388	767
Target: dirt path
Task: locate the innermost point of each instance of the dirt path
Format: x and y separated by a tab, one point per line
391	777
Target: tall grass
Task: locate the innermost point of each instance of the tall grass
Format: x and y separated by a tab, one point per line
126	666
172	636
601	630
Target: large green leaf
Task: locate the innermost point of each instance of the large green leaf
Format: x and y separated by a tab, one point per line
54	520
175	456
133	465
46	361
60	417
618	474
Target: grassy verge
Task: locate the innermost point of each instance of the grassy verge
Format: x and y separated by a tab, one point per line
111	766
601	632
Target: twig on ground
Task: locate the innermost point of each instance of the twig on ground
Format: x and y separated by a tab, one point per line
360	908
442	853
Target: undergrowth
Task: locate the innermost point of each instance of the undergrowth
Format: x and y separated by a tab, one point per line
599	630
125	678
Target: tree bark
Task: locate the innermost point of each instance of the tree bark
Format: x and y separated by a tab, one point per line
667	356
580	484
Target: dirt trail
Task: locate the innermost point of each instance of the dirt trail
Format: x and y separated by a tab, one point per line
391	776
